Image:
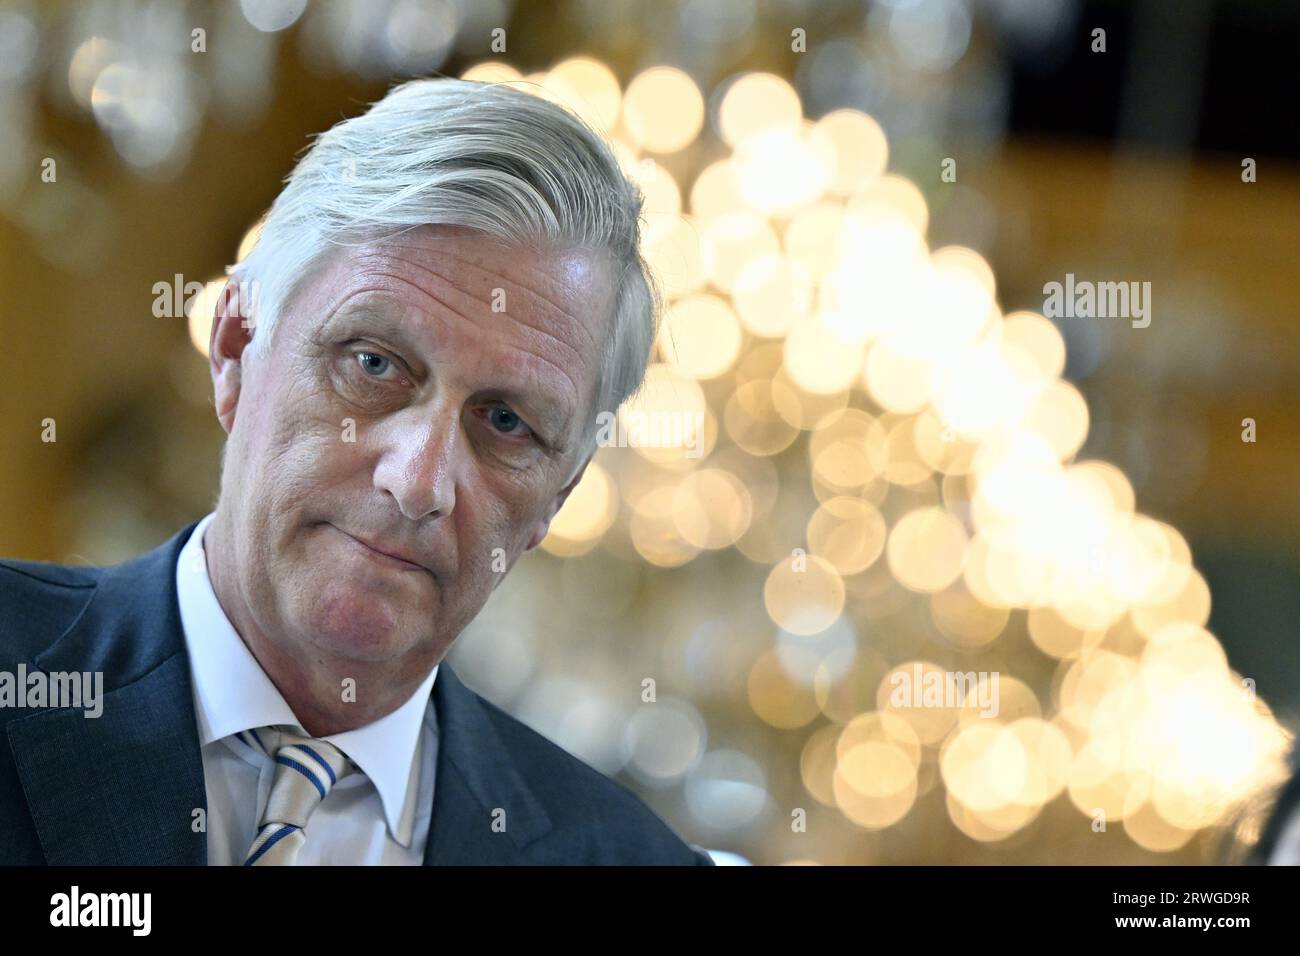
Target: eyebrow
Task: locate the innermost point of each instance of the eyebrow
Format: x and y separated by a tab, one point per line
551	408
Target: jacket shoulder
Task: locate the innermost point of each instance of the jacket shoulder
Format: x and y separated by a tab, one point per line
14	572
596	819
38	602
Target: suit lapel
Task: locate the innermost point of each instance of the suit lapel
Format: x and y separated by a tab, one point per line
476	784
124	787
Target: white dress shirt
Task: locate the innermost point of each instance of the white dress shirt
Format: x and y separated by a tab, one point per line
379	815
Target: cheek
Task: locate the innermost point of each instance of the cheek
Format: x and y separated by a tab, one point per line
301	409
502	515
293	445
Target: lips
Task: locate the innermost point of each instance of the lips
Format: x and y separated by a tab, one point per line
381	555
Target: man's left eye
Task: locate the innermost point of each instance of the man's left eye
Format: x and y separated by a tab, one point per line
504	420
373	363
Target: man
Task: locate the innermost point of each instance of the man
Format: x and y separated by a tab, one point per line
409	367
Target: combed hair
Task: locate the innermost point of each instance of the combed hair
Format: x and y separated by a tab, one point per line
491	157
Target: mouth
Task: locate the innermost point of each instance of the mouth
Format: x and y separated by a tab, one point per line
378	556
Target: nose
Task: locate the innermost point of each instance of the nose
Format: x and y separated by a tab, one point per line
418	464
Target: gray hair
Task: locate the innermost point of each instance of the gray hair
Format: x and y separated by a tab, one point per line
455	152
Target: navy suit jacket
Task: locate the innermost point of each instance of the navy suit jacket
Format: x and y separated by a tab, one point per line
122	788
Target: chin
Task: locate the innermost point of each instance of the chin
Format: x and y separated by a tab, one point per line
349	622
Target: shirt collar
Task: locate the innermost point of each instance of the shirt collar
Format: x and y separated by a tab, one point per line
232	693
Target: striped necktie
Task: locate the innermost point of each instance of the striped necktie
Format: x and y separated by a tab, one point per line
306	768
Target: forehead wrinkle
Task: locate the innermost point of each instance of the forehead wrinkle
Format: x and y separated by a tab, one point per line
451	311
537	334
493	280
565	413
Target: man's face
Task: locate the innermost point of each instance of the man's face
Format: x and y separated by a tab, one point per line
425	395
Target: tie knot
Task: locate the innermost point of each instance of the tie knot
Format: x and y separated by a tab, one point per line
319	756
306	769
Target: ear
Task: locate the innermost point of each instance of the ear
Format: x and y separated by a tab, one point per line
553	508
232	330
